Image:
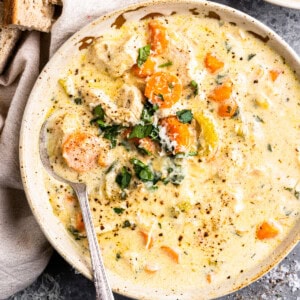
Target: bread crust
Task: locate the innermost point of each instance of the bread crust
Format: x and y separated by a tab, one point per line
28	14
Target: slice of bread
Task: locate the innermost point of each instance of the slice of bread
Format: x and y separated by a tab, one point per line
8	40
28	14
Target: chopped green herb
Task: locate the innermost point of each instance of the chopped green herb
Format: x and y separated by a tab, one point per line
295	192
154	135
109	169
144	53
148	112
185	116
167	64
118	210
118	255
171	85
250	56
126	224
259	119
76	233
228	47
146	175
123	178
270	148
161	97
236	114
219	79
142	171
111	133
159	225
140	131
98	112
78	101
195	88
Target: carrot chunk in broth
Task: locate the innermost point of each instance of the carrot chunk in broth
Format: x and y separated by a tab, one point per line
146	69
79	222
158	37
212	63
274	74
173	253
80	151
227	108
221	92
163	89
151	269
178	132
266	231
148	239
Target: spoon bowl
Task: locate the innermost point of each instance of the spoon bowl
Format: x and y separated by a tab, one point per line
103	290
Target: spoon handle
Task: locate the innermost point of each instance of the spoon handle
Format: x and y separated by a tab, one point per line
103	290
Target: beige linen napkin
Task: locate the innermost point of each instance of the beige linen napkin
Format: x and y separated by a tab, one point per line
24	252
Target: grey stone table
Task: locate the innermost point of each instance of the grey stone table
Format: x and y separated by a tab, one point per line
60	281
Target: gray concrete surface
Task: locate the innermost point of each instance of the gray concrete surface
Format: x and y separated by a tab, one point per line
60	281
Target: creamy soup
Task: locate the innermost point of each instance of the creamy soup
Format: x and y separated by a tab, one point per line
186	131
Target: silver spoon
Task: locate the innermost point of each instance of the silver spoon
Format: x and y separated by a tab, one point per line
103	290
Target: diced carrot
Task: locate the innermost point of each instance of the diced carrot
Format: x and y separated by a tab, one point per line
163	89
79	222
80	151
266	231
151	269
173	253
178	132
221	92
146	69
227	108
274	74
212	63
158	37
208	278
148	239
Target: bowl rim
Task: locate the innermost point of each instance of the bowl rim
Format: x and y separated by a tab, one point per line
24	167
290	3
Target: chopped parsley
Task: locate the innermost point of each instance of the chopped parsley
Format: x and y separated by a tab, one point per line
251	55
111	133
185	116
144	53
259	119
76	233
123	178
148	112
270	147
140	131
78	101
219	79
295	192
228	47
142	171
118	210
194	86
126	224
167	64
160	96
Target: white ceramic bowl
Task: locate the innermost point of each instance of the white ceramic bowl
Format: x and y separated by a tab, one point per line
39	102
286	3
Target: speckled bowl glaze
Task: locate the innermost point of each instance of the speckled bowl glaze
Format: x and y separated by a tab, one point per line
39	103
286	3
